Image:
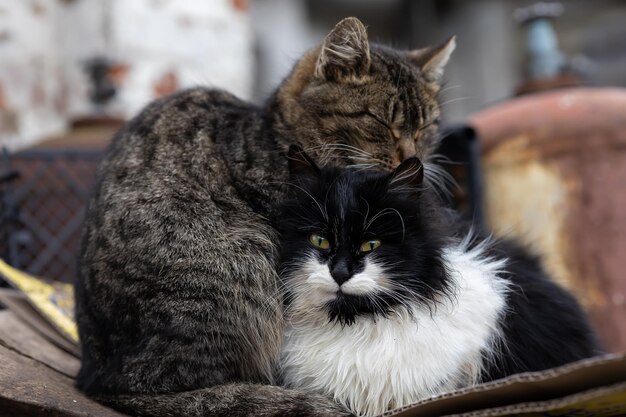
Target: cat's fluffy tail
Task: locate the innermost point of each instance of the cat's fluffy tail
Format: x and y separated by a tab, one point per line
237	400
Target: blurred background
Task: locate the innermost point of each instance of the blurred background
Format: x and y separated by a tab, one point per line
63	61
537	90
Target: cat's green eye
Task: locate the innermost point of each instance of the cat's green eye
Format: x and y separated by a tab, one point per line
319	241
369	245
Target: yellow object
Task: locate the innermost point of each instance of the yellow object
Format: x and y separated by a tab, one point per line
54	301
610	404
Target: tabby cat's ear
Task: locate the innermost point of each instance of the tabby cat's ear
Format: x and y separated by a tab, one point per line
345	52
300	165
433	60
408	176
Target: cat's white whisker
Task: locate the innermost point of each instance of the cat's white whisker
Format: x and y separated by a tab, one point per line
323	212
449	87
367	212
454	100
363	167
343	146
385	211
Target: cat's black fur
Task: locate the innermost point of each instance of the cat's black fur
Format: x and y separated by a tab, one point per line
543	325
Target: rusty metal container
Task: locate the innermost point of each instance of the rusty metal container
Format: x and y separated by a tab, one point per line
555	178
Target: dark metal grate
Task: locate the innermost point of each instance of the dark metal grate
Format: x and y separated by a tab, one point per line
43	209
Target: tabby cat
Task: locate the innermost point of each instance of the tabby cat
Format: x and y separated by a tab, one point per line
178	302
391	299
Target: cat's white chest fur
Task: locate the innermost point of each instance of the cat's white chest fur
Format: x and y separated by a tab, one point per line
377	365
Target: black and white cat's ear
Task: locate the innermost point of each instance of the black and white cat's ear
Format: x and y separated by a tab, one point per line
433	60
300	164
408	176
345	52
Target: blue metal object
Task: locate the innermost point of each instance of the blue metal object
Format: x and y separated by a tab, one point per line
546	61
545	58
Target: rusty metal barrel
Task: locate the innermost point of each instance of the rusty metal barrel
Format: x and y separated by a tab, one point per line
555	179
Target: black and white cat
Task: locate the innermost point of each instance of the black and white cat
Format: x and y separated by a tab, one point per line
390	299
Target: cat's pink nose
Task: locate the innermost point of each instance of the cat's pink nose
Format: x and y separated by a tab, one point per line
405	149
